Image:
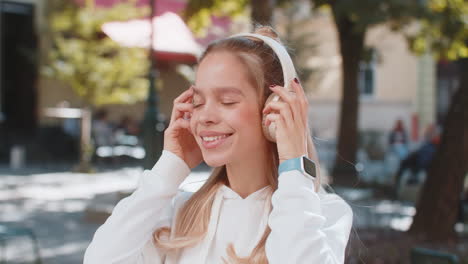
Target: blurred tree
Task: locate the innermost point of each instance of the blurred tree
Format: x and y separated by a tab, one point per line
444	31
198	13
98	69
352	19
261	12
302	43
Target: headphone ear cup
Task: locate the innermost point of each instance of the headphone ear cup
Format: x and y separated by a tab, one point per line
270	131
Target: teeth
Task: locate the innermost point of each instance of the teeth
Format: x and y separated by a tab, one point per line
213	138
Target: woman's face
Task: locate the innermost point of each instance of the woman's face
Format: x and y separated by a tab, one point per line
226	119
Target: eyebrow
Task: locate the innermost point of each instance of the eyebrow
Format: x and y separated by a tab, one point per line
221	90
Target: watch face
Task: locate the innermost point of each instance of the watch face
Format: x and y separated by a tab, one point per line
309	166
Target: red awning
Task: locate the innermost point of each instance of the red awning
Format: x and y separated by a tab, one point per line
162	6
172	41
221	25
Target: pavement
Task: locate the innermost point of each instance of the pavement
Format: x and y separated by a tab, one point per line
62	209
53	205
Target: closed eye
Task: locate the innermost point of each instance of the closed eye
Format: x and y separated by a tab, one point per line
228	103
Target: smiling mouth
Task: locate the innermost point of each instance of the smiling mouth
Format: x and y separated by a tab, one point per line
215	138
213	142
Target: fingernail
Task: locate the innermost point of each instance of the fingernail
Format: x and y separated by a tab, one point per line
272	85
296	80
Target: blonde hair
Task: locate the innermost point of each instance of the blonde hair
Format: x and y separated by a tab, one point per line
193	217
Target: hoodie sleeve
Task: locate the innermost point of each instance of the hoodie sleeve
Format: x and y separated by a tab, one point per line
126	236
306	226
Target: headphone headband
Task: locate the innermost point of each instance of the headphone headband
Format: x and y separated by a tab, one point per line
289	72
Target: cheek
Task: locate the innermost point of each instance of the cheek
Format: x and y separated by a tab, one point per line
246	118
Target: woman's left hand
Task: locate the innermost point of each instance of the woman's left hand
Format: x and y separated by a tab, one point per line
290	117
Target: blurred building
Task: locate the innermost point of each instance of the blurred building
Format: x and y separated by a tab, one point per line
172	76
25	93
19	47
393	82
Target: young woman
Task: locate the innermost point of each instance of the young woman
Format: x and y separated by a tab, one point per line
263	202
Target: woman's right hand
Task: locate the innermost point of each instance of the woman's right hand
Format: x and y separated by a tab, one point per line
178	137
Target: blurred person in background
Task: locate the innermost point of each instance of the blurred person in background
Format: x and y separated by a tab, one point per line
129	126
420	159
102	130
127	132
398	140
71	126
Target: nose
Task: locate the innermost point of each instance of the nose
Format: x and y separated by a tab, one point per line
208	114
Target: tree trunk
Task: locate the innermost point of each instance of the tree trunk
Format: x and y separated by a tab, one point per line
351	47
437	210
86	147
262	11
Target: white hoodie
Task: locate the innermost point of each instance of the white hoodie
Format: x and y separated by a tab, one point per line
306	226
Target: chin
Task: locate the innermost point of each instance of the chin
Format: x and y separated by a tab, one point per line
214	160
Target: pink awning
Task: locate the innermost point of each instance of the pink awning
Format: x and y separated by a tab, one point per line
172	41
162	6
221	25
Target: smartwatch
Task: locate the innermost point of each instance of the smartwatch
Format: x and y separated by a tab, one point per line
302	164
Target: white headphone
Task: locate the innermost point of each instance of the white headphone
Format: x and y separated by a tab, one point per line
289	73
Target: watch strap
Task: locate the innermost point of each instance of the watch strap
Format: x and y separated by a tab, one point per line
298	164
289	165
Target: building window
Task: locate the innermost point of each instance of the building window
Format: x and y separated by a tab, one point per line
366	75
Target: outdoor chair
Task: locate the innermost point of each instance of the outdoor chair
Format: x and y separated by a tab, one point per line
429	256
10	231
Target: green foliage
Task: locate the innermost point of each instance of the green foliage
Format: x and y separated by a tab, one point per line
97	68
443	30
198	13
302	43
442	25
366	13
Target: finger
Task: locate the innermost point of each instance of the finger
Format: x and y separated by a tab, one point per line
180	109
291	99
304	105
279	122
297	87
179	124
183	97
182	123
283	108
300	101
273	118
284	95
